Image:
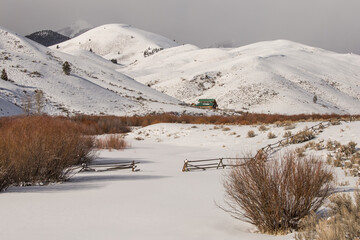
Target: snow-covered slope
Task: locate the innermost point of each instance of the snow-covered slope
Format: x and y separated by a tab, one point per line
117	41
9	109
93	87
269	77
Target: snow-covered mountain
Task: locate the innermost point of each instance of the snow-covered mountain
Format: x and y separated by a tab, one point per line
122	42
93	86
47	37
268	77
75	29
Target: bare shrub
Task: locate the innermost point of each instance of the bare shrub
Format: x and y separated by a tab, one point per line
274	196
251	134
111	142
290	126
102	124
300	151
41	149
287	134
263	128
271	135
226	129
302	136
348	149
244	119
6	173
343	223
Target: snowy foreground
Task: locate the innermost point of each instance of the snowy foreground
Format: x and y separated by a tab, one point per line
159	201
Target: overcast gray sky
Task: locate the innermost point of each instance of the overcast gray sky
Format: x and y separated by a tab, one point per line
329	24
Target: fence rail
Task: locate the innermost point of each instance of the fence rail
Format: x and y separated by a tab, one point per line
190	165
262	153
111	166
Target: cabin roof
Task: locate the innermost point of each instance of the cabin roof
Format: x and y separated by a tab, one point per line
207	100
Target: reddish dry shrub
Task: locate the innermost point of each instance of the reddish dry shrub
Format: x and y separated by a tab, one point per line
113	123
92	125
40	149
274	196
95	125
111	142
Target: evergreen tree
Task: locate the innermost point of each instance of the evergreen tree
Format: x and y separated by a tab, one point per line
66	68
315	99
4	75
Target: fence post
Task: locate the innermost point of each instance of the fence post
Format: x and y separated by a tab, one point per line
220	163
185	167
133	166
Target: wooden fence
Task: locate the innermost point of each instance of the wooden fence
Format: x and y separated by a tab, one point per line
111	166
215	163
262	153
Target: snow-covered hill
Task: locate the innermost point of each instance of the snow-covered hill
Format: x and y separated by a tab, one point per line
117	41
266	77
269	77
93	87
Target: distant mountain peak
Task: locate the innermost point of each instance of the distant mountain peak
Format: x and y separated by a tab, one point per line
47	37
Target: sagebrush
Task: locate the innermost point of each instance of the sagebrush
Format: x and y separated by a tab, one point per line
341	223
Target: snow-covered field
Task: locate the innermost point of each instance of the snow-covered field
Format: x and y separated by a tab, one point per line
159	201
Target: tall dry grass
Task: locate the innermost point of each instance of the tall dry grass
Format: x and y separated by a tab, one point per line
111	142
342	223
114	124
41	149
95	125
274	196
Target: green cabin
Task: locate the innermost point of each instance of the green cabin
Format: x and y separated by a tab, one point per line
207	103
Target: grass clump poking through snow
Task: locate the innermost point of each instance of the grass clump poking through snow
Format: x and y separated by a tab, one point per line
41	149
271	135
343	222
274	196
111	142
251	134
302	136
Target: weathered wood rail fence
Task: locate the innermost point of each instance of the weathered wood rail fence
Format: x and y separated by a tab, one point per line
305	136
262	153
110	166
216	163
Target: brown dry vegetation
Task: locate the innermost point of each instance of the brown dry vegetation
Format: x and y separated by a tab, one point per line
40	149
94	125
111	142
274	196
342	223
110	124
